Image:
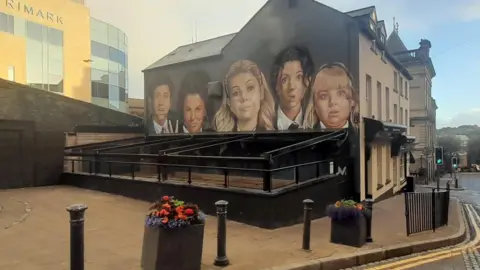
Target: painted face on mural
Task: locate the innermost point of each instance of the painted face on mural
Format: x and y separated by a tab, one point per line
194	113
161	103
291	87
332	93
245	96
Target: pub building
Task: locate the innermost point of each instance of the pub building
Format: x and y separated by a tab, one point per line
302	102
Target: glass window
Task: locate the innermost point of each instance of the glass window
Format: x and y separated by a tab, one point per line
99	76
114	96
121	46
11	73
123	95
112	36
34	31
121	37
113	79
99	36
55	52
99	90
55	37
6	23
102	90
99	63
55	67
98	26
99	49
55	83
34	62
19	26
117	56
121	79
113	67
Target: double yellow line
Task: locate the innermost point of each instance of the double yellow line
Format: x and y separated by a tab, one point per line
439	255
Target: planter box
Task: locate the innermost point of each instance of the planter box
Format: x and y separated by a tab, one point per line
349	232
175	249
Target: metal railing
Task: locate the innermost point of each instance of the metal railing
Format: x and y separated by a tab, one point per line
426	210
224	176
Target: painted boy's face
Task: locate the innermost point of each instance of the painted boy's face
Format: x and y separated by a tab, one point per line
291	87
245	96
194	113
161	102
333	106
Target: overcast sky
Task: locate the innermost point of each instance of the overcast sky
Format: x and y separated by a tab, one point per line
154	28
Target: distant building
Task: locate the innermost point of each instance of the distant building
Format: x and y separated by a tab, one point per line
136	106
422	105
463	142
56	46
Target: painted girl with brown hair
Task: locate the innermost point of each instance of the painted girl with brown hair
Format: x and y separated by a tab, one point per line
333	100
247	103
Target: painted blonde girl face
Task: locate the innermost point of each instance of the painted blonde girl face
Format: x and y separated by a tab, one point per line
332	99
244	96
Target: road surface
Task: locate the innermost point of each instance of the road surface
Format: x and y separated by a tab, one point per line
459	258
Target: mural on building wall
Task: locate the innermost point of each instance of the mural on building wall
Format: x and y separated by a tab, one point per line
298	95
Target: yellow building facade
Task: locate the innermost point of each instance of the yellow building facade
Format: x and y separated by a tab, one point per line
48	44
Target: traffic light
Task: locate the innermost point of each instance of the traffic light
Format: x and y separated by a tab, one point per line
455	162
439	155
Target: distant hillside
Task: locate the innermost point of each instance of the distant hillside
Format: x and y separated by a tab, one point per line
467	130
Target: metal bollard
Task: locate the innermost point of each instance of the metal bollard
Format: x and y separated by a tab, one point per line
369	206
221	259
77	214
307	222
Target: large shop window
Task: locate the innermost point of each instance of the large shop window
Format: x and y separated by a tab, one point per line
45	59
6	23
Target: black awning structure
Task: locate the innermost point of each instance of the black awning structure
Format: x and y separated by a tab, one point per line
378	131
382	131
412	158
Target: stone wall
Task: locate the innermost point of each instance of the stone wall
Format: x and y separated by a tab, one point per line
33	123
54	112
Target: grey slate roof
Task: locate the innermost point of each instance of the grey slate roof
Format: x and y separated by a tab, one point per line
360	12
202	49
395	43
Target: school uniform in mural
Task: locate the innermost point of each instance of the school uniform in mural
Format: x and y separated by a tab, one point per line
298	96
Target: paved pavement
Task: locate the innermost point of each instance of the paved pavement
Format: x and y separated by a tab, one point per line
35	225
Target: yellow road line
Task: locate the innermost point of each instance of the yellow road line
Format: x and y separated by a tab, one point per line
414	259
439	254
407	266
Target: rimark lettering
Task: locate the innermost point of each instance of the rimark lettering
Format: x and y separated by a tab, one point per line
25	8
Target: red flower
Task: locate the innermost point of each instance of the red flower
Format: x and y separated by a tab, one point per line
165	220
189	212
164	212
165	198
166	206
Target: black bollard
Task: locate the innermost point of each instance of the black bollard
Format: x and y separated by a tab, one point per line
307	222
77	214
369	206
221	259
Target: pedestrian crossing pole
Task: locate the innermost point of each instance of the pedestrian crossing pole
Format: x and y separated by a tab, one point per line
453	162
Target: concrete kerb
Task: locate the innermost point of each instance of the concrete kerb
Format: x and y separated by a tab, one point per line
381	254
